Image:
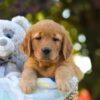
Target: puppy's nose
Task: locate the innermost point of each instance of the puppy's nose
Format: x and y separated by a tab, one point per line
46	51
3	42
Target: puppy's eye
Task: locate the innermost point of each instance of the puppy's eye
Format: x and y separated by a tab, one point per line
38	38
56	39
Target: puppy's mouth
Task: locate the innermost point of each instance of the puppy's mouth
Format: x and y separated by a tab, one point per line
49	58
45	57
46	60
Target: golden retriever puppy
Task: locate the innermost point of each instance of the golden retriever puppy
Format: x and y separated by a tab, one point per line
49	50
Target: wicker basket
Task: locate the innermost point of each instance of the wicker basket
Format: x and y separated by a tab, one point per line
73	95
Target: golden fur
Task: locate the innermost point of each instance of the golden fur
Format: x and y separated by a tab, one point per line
58	64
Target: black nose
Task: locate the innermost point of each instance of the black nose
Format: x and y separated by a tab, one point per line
46	51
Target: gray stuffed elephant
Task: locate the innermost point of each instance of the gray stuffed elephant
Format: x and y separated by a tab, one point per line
12	34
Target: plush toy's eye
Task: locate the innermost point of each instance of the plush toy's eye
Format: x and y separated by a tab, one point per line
8	33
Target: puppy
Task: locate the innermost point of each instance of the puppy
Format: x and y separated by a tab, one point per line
49	50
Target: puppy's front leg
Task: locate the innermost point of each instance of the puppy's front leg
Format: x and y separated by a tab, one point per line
28	80
63	78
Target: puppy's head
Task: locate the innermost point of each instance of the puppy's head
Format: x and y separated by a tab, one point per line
47	40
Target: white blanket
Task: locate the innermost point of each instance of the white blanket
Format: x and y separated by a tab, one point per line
47	89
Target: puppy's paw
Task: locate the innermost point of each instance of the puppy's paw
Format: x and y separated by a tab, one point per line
63	85
28	86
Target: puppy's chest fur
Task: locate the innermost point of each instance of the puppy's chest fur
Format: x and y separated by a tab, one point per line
46	69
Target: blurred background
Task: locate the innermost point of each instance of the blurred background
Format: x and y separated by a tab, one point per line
82	19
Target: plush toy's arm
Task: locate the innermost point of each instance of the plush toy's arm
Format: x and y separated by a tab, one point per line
11	67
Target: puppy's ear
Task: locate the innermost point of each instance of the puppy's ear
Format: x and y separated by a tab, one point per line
26	44
67	45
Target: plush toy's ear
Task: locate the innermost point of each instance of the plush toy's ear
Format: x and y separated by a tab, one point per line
22	21
26	44
67	45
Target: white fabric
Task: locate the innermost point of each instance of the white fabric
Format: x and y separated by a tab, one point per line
47	89
2	70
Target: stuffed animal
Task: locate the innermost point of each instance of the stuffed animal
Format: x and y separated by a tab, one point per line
12	34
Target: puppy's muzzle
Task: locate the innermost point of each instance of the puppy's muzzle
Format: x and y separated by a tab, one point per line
46	52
